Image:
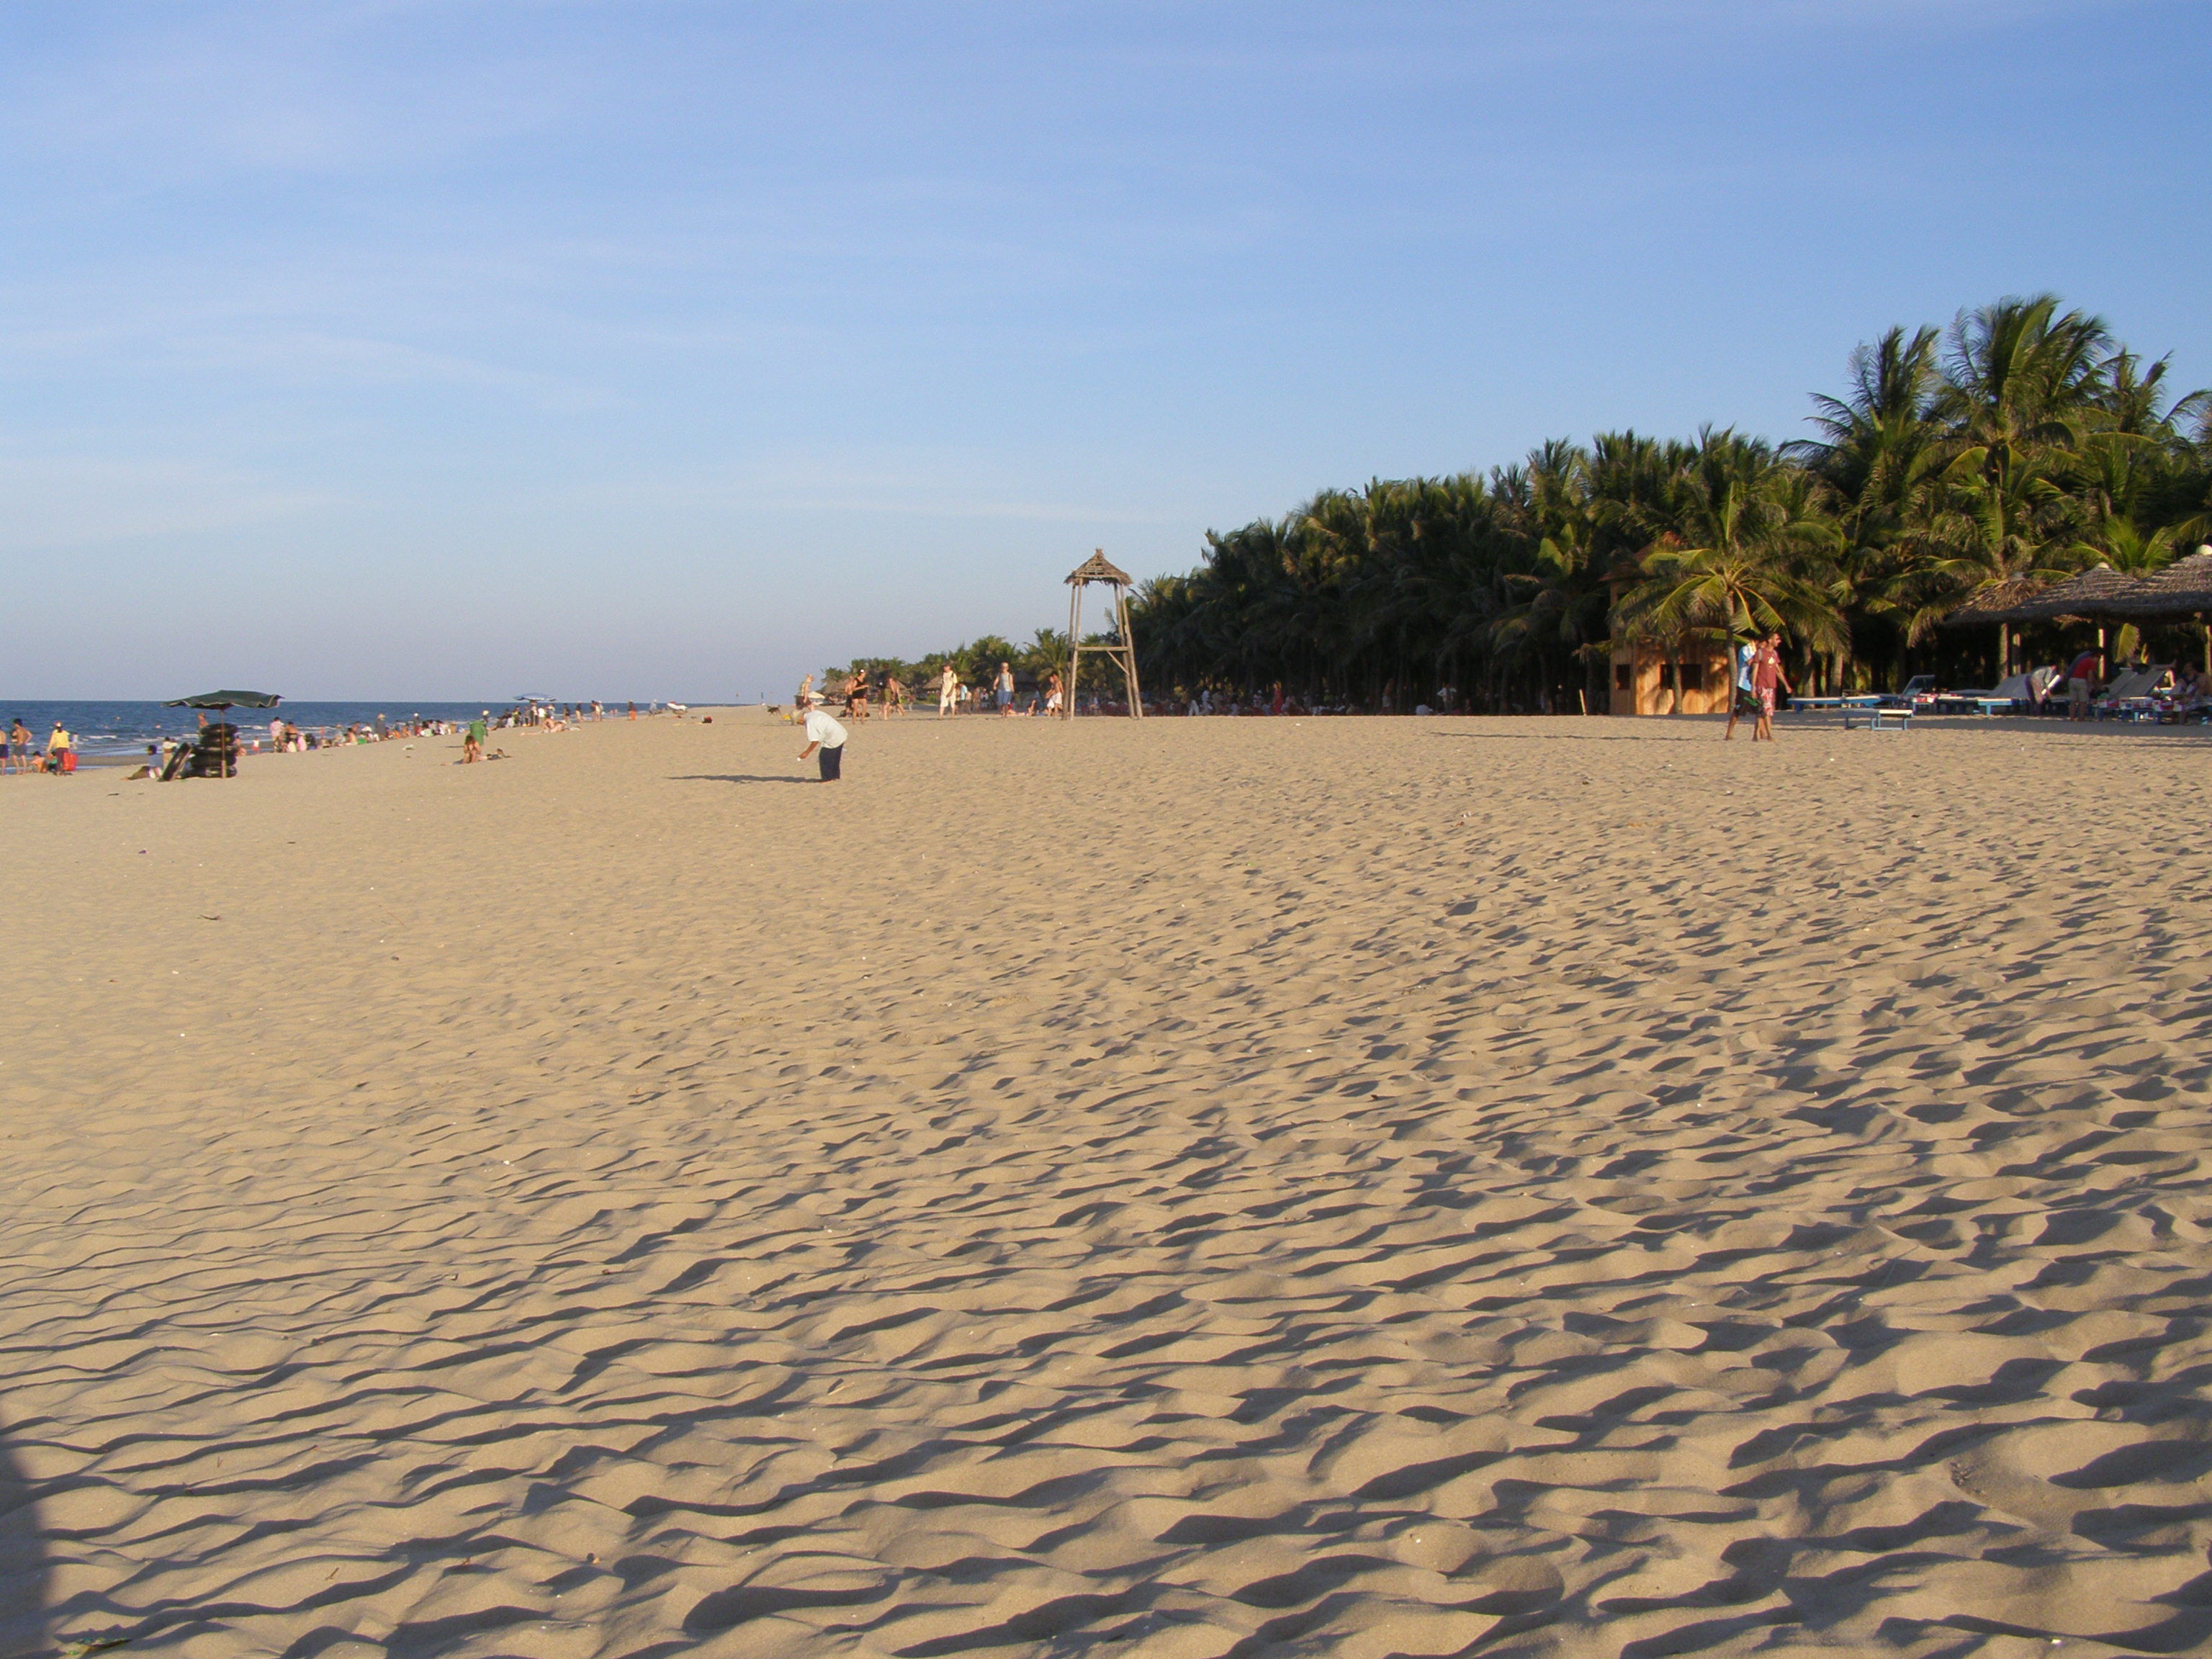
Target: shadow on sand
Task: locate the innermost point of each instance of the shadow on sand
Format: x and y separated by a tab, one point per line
23	1629
738	777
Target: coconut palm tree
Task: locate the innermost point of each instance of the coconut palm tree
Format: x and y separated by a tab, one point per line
1752	553
2021	379
2011	448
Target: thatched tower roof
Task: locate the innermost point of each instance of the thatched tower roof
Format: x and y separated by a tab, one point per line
1096	569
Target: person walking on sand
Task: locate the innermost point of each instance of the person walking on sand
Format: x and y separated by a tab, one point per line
1742	699
1002	689
948	693
1765	676
823	733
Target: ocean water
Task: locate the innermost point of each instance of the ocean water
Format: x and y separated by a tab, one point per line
116	730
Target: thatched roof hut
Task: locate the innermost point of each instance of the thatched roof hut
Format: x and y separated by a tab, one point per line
2183	588
2092	593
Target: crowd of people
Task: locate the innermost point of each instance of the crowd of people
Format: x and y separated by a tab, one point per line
861	695
169	756
20	751
2171	691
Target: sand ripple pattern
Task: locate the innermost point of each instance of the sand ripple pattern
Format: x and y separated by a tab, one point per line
1219	1189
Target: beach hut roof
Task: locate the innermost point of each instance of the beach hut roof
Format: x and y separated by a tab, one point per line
2095	593
2183	588
2003	601
1096	569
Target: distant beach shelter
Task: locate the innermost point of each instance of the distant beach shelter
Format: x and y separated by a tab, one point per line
1122	650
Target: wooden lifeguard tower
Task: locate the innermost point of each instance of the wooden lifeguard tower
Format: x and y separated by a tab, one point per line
1124	651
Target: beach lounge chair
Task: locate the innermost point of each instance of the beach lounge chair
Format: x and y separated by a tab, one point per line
2128	697
2014	695
1920	689
1847	703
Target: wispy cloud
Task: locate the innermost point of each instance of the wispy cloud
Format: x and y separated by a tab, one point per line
922	482
194	92
50	504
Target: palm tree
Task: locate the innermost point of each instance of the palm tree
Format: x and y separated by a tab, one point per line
1551	589
1749	556
2021	380
2117	541
1880	451
2009	448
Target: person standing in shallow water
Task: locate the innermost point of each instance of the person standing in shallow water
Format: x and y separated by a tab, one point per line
825	734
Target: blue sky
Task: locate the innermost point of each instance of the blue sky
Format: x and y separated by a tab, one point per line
441	348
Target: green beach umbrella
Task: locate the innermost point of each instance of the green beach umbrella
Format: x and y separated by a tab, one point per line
225	702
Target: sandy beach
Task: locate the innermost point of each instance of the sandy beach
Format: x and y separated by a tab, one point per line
1193	1188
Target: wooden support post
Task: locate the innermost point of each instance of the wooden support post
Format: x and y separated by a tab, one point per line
1074	649
1129	652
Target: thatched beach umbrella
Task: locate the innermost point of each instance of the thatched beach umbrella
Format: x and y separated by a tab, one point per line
2181	591
2183	588
2092	593
225	702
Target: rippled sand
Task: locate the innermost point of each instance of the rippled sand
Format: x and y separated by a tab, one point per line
1234	1186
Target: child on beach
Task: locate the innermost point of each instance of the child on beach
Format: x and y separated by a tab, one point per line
823	733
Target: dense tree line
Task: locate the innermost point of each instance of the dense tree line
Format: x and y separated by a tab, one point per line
2020	445
2017	446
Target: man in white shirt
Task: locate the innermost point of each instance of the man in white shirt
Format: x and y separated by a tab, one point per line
825	734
